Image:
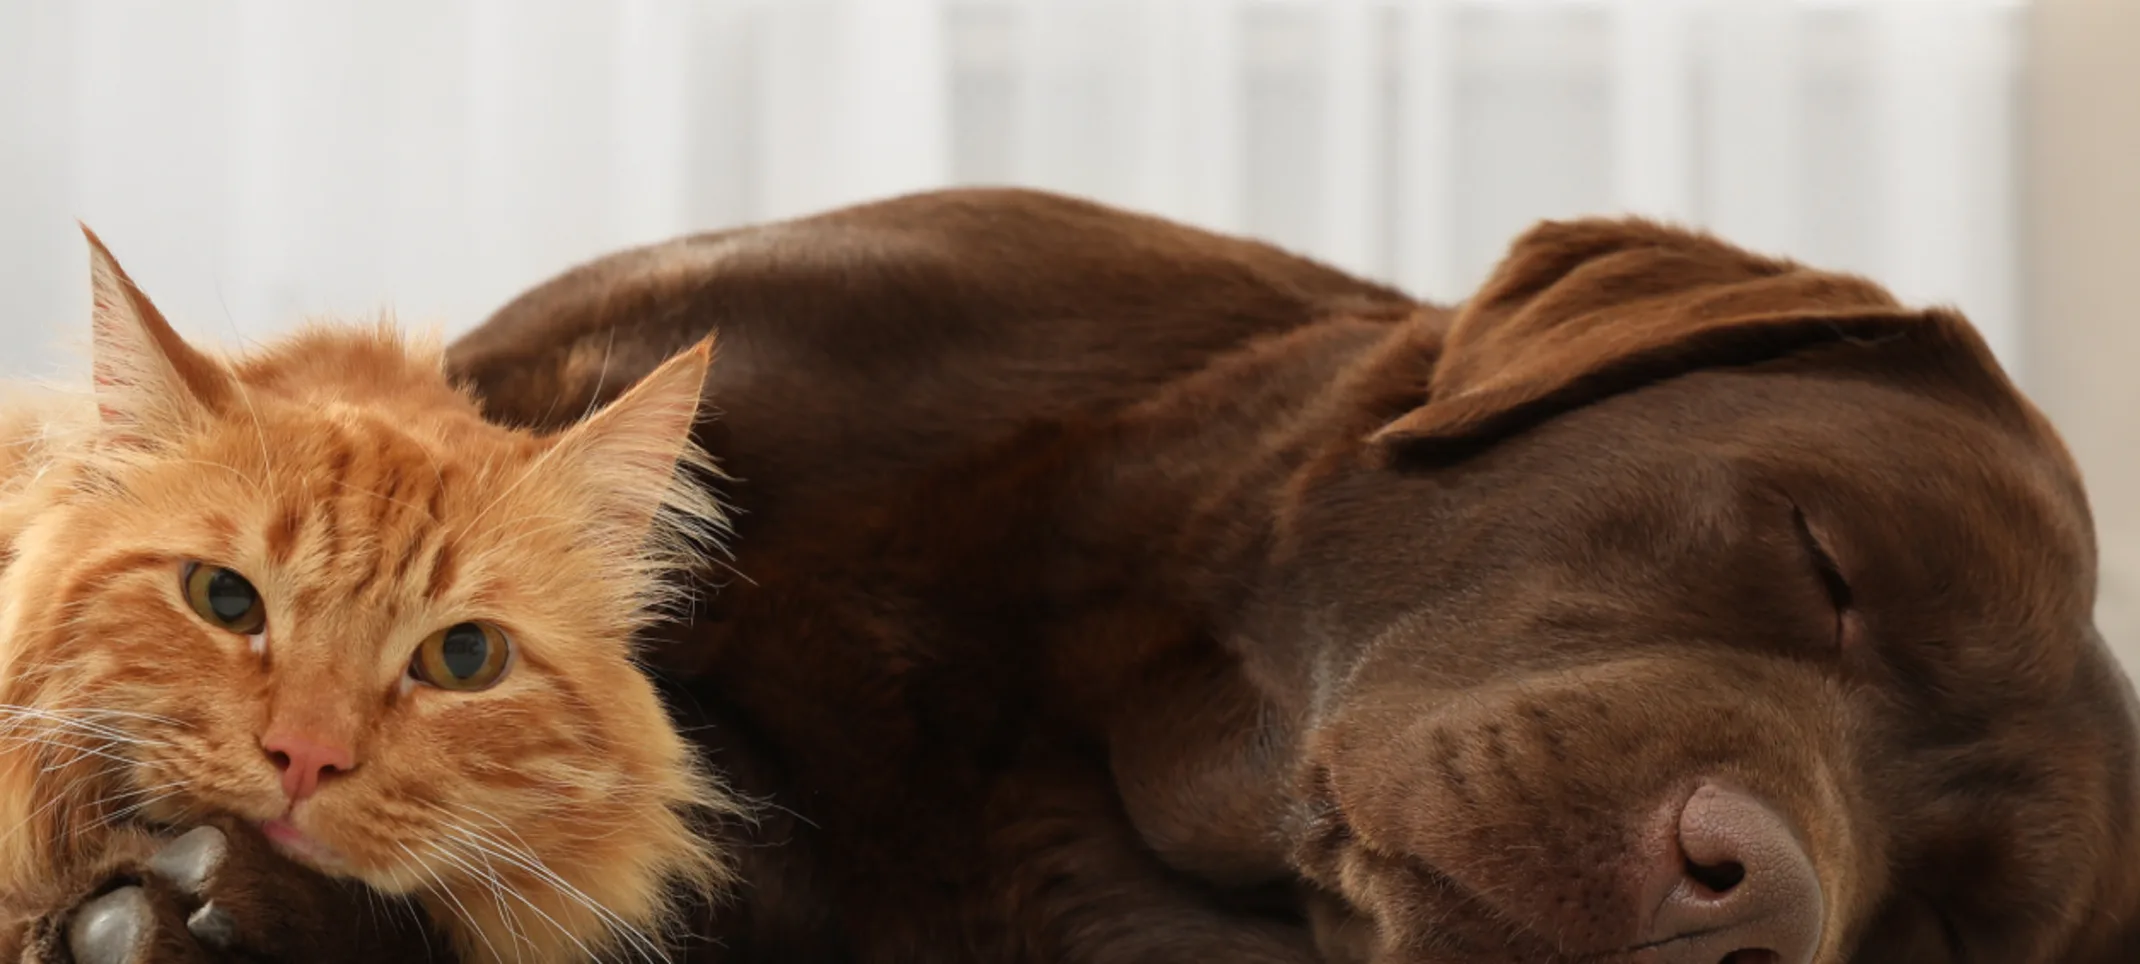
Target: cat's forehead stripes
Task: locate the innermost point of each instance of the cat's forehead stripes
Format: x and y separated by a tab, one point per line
370	513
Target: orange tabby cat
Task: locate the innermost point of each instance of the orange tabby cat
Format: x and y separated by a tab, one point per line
310	587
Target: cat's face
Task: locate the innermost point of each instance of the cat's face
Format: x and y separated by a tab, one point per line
314	589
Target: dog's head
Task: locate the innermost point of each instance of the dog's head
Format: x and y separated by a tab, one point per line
1709	609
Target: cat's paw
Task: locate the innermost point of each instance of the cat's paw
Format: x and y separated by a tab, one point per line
163	912
219	894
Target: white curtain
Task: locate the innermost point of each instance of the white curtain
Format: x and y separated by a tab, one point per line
255	161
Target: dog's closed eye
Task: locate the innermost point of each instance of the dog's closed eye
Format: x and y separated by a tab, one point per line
1830	574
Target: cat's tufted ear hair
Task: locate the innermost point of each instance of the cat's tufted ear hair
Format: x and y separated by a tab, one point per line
1582	310
150	384
631	452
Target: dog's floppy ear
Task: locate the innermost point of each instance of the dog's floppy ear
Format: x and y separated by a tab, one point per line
1580	310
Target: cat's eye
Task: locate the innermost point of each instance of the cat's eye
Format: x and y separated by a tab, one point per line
224	598
463	656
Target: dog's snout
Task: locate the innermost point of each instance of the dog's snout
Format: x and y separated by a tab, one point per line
1743	890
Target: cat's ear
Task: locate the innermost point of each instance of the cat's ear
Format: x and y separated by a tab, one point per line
630	450
150	384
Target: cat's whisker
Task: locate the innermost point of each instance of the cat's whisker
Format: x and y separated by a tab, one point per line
379	908
402	870
488	877
128	714
61	735
446	892
150	795
634	945
522	842
498	889
72	752
65	796
62	754
370	913
527	861
17	715
488	873
140	791
54	752
114	817
46	738
182	815
70	717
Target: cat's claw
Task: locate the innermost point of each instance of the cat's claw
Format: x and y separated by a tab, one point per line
213	926
112	929
189	861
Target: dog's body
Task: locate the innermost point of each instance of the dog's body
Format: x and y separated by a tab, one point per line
1112	591
918	401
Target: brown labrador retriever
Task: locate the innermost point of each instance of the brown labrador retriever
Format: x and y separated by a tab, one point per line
1665	603
1113	591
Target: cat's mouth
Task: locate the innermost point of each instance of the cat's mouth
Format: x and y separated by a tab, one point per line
303	847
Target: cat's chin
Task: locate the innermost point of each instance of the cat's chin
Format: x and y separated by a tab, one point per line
304	848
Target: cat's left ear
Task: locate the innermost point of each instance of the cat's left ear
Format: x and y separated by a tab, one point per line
150	384
630	450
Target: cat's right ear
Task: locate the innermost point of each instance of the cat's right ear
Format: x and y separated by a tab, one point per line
631	450
150	384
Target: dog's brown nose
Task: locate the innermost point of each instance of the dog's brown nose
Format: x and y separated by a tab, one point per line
1746	893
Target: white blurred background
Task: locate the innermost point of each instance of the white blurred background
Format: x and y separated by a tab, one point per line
256	161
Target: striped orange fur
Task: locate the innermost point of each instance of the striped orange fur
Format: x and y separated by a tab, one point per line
551	817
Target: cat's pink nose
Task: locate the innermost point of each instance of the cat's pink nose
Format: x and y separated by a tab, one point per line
305	762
